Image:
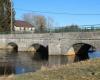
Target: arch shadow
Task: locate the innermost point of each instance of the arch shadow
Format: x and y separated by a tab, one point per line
40	52
81	50
12	47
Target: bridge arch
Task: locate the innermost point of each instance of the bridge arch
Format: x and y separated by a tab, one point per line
80	51
38	51
12	47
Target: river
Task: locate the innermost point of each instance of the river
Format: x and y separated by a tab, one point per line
22	62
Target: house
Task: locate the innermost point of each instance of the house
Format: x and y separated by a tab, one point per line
22	26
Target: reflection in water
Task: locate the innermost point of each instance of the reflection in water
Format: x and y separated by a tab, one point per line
18	63
58	59
22	62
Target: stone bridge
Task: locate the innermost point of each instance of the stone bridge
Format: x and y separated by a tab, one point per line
57	43
73	46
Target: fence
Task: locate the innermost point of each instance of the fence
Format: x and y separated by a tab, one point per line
65	29
56	30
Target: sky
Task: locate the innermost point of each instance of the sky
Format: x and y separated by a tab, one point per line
63	12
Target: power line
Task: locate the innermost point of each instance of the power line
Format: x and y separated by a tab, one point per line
61	13
48	12
92	25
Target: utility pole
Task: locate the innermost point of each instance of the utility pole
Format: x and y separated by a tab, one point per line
11	17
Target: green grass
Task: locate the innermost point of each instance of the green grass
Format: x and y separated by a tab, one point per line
85	70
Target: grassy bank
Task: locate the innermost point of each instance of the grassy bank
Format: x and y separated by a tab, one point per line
85	70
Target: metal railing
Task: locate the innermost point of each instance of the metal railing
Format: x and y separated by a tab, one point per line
56	30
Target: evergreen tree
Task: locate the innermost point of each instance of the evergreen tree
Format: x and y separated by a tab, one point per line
5	15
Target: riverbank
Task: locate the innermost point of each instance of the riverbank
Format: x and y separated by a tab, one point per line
84	70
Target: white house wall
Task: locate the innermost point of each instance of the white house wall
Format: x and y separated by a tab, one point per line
24	29
17	28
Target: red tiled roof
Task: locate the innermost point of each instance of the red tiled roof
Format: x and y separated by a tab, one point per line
19	23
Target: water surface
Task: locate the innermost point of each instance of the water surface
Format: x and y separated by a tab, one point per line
22	62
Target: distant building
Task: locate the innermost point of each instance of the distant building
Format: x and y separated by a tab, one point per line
22	26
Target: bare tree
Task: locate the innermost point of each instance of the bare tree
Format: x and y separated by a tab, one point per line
40	22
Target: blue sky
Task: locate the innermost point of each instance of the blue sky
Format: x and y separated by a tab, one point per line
61	6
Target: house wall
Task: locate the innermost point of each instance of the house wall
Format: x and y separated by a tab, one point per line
17	28
24	29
